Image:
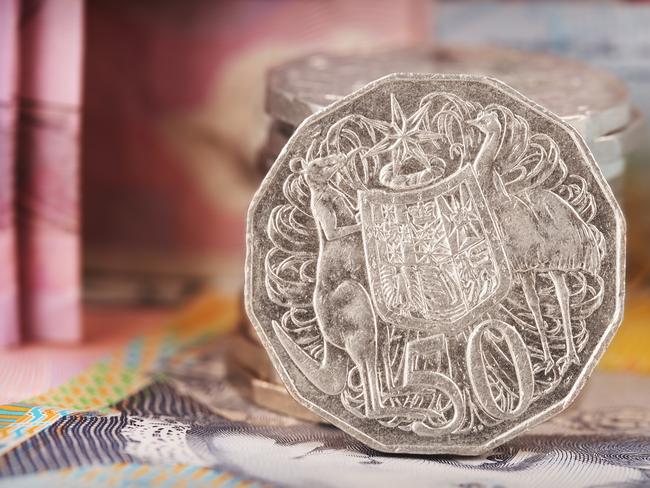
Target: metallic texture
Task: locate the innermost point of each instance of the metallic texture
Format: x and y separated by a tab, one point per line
609	151
613	147
594	102
250	356
435	264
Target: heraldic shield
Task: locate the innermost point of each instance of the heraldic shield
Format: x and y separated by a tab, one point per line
433	254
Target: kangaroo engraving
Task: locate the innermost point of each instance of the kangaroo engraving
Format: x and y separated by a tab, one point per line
342	306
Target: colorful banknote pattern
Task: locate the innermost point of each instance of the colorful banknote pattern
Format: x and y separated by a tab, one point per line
158	427
117	376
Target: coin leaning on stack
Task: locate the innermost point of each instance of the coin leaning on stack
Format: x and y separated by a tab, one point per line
594	102
435	261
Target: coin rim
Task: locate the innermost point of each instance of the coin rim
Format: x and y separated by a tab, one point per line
590	124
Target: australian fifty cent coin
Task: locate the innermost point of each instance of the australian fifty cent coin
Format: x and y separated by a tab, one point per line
435	264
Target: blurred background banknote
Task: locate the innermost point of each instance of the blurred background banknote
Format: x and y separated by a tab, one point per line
48	169
169	171
9	331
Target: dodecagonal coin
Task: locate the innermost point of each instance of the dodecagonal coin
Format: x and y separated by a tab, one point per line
435	264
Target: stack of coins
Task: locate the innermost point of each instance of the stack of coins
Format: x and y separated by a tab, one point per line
255	377
594	102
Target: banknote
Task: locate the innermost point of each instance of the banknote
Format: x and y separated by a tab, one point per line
601	441
610	419
9	333
48	168
597	443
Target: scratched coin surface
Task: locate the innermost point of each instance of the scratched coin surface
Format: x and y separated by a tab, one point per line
435	264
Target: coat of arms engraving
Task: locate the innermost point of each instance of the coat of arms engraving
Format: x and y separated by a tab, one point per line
433	254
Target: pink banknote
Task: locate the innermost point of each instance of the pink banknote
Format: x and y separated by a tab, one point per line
9	327
51	36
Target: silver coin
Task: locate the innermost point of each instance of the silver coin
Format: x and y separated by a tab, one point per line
613	147
274	397
435	264
251	356
614	173
591	100
276	138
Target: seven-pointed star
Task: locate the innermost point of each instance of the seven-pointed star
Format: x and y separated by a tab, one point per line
404	136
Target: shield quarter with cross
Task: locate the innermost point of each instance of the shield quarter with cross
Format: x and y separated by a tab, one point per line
433	254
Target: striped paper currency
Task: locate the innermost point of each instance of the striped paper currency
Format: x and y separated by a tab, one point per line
51	37
9	331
